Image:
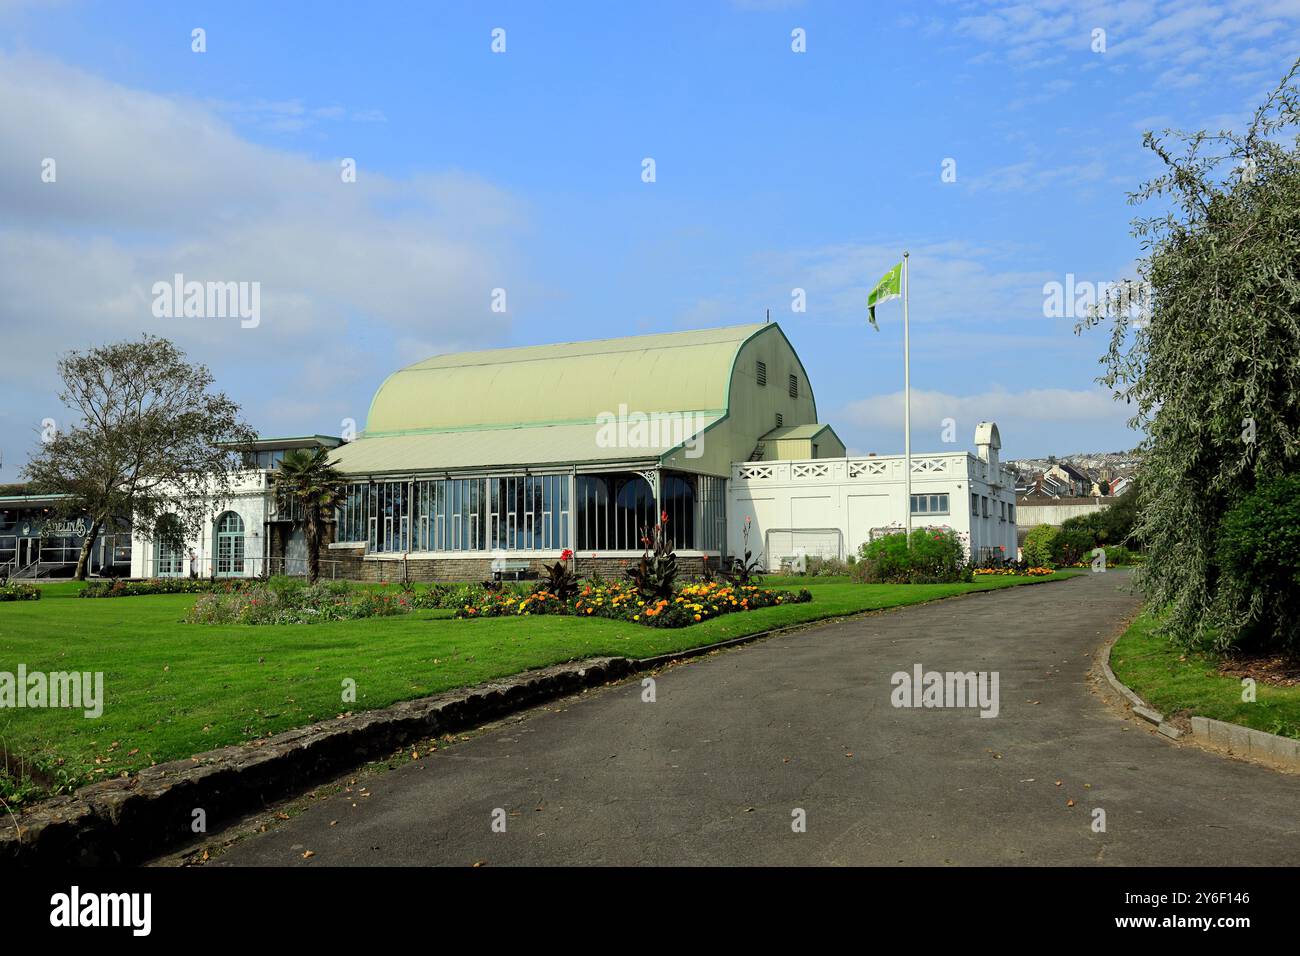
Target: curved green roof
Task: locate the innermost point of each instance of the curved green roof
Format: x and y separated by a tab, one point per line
558	384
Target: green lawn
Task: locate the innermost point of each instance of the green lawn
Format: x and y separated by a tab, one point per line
1172	680
174	689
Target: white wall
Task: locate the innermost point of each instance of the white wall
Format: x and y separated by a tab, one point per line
251	501
853	496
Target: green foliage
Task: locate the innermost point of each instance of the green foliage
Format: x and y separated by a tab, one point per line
690	604
1213	370
310	479
1112	525
936	556
1258	562
1037	548
1091	524
655	575
146	437
828	567
745	570
120	587
560	580
289	601
1070	547
18	591
1117	556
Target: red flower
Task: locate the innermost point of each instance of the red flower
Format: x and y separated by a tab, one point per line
566	554
663	517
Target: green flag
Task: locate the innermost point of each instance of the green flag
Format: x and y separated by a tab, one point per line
890	287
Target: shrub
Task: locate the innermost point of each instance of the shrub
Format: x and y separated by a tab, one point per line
120	587
18	591
1117	556
1037	549
1070	547
298	603
827	567
884	560
1258	565
936	556
655	575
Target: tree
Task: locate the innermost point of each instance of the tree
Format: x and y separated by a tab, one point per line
1259	563
309	478
1118	519
1211	359
149	439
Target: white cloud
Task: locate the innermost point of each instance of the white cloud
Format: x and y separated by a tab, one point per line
1032	34
148	186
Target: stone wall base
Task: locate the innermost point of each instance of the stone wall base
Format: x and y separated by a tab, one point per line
353	566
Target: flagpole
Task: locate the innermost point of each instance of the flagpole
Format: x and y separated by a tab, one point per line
907	411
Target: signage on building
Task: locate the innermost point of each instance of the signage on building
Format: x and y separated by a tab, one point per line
61	528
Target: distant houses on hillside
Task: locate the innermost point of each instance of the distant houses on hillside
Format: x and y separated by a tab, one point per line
1053	480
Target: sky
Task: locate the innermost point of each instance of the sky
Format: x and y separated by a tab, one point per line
501	198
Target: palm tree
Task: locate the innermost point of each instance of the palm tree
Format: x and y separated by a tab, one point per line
309	478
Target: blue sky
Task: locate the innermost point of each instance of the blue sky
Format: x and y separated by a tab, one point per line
522	170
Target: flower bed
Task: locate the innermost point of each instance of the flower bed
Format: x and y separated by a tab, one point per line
1011	572
120	587
690	603
291	601
15	591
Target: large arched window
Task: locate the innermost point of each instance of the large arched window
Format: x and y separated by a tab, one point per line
168	561
230	544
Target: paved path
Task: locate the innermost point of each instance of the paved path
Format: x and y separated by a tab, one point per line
711	772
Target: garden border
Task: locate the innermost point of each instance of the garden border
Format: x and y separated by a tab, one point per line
132	819
1210	734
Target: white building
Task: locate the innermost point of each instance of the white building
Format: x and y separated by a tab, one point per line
246	534
831	506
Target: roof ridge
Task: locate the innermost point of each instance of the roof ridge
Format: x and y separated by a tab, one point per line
589	342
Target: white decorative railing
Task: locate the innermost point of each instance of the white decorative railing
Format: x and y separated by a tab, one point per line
929	466
866	469
809	470
886	468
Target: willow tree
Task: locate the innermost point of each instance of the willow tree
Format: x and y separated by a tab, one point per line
1205	345
149	441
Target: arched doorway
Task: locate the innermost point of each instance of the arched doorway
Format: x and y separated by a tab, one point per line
230	545
167	559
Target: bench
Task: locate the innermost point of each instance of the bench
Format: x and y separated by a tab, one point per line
502	567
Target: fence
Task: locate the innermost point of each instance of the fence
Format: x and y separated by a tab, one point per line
236	568
783	544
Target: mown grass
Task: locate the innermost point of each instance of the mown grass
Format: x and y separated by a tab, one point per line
1173	680
173	689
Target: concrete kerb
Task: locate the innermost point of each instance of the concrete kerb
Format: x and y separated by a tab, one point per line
1229	738
126	820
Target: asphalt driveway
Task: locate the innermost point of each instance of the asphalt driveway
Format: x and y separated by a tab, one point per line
715	770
